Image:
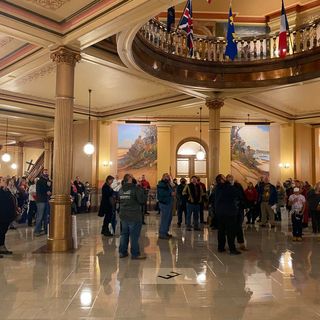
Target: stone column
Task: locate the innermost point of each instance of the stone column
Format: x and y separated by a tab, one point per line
214	107
60	235
48	154
20	171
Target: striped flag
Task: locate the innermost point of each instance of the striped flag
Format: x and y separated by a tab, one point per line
186	24
284	27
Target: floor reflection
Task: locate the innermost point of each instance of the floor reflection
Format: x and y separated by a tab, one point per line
275	279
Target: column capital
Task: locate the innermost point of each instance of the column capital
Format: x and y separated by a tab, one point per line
216	103
20	144
48	139
65	55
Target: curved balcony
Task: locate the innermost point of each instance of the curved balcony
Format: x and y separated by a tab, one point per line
165	55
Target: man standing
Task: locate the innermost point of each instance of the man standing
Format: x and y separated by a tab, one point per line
80	193
181	202
268	199
193	192
32	201
165	196
131	197
43	194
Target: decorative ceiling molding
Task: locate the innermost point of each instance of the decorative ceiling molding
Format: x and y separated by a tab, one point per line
50	4
4	41
39	73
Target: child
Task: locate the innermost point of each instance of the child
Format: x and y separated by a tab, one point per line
297	202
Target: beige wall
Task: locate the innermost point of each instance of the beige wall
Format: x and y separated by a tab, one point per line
5	168
84	166
287	147
303	147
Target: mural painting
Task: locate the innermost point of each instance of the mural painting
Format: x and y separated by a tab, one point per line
250	155
137	151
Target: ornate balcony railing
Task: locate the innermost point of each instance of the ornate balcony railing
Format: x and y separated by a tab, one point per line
303	38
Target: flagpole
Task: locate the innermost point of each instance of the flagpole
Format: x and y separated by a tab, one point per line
181	16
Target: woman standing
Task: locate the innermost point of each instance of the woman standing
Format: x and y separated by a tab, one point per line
7	213
251	199
226	210
131	198
107	206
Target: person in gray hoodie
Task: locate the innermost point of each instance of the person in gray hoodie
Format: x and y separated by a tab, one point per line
131	198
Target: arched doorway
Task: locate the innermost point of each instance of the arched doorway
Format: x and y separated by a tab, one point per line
187	162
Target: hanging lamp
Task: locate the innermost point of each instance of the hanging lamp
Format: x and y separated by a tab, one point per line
89	147
200	154
6	157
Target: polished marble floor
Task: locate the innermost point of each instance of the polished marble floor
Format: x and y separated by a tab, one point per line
183	278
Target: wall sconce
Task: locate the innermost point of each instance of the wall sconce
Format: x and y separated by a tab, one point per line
107	163
284	165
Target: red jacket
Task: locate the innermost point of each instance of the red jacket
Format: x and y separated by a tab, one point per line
251	195
145	184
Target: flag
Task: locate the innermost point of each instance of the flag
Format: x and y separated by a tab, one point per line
284	27
231	49
187	25
171	18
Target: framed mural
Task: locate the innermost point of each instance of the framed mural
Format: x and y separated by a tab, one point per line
250	154
137	151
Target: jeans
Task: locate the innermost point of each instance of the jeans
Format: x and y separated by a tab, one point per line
165	218
201	212
41	217
32	211
182	208
195	209
3	230
130	230
297	220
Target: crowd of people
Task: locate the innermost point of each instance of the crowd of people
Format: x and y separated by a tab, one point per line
228	203
26	202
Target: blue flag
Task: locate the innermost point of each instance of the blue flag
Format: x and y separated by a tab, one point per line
186	24
231	49
171	17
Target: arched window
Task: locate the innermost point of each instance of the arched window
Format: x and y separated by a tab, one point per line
187	162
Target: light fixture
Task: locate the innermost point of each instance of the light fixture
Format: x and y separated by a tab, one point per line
106	163
6	156
284	165
200	154
256	123
89	147
14	166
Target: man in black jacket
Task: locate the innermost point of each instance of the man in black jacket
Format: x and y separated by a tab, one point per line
181	201
43	193
227	213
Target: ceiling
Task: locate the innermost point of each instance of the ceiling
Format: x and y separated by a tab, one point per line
27	77
258	8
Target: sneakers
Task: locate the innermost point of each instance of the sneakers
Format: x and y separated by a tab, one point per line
107	233
299	239
140	257
123	255
294	239
4	250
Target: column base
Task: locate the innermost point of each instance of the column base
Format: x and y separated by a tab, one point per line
60	229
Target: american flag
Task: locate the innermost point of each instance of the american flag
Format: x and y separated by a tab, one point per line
186	24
